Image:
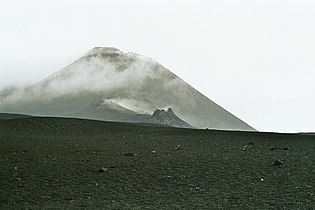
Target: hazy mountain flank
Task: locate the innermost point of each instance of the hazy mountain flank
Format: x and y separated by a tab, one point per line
110	85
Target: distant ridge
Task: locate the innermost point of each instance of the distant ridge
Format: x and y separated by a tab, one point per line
107	84
10	116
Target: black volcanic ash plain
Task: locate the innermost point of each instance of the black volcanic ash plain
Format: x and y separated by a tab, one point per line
58	163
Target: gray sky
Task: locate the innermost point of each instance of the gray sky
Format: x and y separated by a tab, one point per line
256	58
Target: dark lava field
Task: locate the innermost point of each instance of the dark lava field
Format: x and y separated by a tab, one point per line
57	163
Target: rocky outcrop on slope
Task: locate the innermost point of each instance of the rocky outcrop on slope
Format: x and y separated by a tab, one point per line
160	116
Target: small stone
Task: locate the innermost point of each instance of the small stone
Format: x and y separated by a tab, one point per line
278	162
286	148
272	148
251	143
178	147
130	154
102	170
244	148
153	152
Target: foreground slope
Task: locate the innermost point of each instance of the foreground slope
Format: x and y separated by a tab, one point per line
52	163
110	85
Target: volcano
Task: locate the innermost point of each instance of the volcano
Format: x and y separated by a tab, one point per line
107	84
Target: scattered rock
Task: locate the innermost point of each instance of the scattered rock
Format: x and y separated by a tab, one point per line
244	148
275	148
178	147
130	154
102	170
278	162
153	152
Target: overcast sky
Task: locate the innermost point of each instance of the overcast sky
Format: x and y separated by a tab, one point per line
255	58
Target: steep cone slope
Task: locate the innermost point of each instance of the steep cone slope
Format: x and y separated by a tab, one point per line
111	85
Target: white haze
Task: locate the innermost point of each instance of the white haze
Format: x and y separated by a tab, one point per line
106	80
254	58
97	75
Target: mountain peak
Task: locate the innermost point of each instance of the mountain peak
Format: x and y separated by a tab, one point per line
105	50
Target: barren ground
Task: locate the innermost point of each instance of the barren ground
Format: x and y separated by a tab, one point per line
54	163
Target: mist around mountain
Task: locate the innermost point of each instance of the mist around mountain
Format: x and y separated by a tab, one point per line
107	84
